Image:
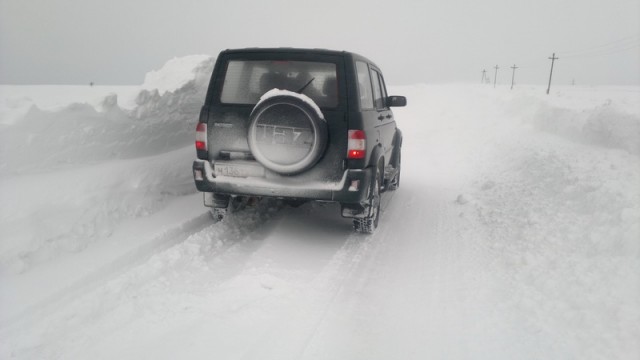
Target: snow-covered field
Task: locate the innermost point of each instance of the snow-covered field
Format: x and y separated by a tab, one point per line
515	233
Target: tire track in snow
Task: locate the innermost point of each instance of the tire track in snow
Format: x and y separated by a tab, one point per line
80	311
415	287
295	335
239	251
355	310
98	277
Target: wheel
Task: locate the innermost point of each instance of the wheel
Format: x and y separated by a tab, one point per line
394	184
369	223
287	134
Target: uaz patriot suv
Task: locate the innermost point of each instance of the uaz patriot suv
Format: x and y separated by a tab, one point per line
298	124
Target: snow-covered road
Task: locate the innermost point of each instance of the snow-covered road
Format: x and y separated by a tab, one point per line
514	235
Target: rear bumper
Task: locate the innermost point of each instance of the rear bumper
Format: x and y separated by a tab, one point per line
342	191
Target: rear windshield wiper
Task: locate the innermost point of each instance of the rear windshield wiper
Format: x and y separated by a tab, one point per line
305	86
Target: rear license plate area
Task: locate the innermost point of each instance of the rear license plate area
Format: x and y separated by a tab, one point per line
235	169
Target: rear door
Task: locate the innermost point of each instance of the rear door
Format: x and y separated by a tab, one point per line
370	122
245	77
385	122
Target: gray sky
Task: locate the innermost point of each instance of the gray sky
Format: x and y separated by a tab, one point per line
118	41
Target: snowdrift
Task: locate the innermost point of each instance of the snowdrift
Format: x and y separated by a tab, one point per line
83	133
602	122
58	166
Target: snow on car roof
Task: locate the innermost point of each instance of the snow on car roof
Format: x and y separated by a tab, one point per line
277	92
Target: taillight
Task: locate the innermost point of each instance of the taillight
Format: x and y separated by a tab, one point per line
357	145
201	137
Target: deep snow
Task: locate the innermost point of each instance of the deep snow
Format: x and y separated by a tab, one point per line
515	233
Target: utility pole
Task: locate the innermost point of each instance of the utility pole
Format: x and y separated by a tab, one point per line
553	58
495	77
513	76
484	71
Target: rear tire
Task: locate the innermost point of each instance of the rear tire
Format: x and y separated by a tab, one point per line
369	223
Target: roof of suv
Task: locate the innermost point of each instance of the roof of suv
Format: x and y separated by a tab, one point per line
296	51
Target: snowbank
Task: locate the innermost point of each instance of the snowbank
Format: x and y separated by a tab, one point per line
86	133
16	100
80	193
55	213
584	115
549	187
177	72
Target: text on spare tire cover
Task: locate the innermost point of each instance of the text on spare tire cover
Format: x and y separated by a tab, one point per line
284	134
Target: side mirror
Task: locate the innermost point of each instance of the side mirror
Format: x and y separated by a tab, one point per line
396	101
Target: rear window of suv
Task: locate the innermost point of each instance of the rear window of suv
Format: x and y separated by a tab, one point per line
246	80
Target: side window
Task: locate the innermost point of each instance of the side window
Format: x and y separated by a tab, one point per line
379	92
364	85
382	86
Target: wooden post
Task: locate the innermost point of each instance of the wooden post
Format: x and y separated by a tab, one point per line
553	58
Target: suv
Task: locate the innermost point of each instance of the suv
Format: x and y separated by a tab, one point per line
299	125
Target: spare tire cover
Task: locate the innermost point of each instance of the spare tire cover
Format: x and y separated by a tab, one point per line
286	133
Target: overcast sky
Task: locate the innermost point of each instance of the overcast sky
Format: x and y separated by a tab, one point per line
118	41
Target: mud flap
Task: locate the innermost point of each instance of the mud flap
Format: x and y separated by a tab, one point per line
208	199
354	210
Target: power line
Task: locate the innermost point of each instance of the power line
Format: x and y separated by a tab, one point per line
612	47
624	40
605	49
605	52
